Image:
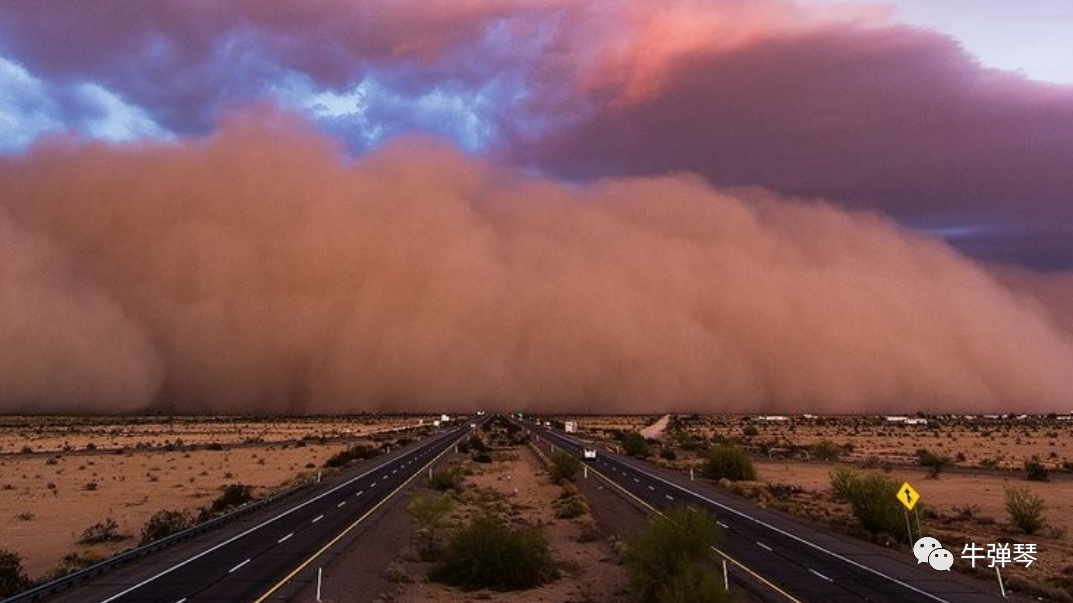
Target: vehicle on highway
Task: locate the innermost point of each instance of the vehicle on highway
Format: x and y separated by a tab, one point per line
589	454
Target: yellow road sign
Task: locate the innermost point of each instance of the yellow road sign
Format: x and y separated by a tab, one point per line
908	496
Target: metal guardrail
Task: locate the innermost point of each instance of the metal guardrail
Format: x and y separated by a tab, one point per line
68	580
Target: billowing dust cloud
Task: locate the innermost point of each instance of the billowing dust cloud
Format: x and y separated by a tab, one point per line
262	270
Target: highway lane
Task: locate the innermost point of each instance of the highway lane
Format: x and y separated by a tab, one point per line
797	561
254	560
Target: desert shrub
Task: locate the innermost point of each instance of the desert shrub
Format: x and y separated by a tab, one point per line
105	531
73	562
570	504
230	497
477	443
1035	471
13	579
634	444
694	584
446	479
489	554
564	466
729	462
689	442
872	498
825	450
430	513
349	455
842	478
165	523
934	462
668	558
482	457
667	454
750	431
1025	509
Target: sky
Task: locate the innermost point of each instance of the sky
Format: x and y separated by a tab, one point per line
963	104
767	134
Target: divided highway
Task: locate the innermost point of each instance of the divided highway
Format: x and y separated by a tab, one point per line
254	560
777	556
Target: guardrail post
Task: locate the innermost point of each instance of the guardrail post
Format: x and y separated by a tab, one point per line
1001	586
726	579
320	578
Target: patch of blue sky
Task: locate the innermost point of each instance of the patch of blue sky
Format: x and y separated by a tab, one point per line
26	109
114	119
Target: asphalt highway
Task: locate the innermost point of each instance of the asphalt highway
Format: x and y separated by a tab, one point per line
783	558
254	559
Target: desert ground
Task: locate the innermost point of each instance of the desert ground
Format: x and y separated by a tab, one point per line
964	503
80	472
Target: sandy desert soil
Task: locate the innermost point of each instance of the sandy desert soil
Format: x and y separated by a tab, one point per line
19	434
591	571
47	500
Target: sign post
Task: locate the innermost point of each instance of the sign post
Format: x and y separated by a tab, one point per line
909	497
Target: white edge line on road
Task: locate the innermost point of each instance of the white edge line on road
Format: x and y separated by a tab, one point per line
821	575
781	531
232	570
250	531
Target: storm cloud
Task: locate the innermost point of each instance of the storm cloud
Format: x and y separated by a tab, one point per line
264	269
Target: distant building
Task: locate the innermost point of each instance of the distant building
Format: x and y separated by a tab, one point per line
570	427
774	418
906	420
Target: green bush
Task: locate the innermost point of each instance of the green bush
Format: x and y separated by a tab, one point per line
430	513
729	462
165	523
231	496
668	559
1035	471
489	554
477	443
349	455
842	478
564	466
13	578
825	450
634	444
694	584
1025	509
570	504
873	500
105	531
446	479
934	462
